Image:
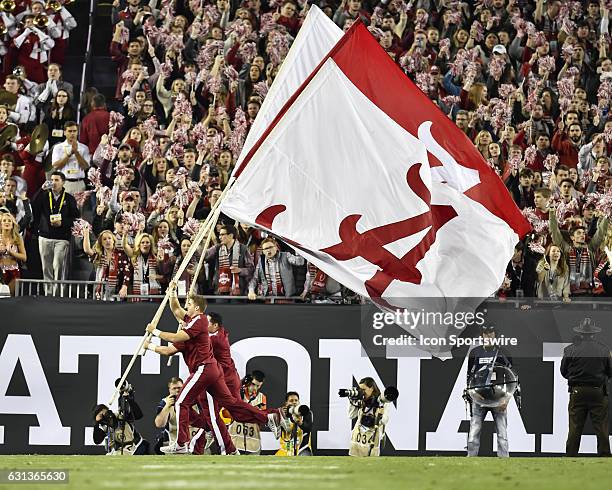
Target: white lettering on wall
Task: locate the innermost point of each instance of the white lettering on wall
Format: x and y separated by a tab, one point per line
50	432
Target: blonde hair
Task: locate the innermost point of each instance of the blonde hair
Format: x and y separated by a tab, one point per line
137	241
99	249
15	236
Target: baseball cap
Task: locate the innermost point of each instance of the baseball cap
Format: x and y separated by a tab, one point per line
488	328
499	49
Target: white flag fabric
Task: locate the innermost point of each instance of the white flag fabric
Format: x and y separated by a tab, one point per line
368	180
317	36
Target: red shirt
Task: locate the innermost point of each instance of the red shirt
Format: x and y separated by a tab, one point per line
221	350
197	351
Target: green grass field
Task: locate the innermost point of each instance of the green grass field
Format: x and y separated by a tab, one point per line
269	472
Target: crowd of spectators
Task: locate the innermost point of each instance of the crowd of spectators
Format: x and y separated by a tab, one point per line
529	82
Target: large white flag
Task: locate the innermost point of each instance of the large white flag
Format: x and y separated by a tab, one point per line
367	179
315	39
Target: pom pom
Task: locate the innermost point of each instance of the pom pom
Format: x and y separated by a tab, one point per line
103	195
190	78
506	90
478	31
565	211
247	51
603	94
213	84
551	162
514	162
80	228
182	107
239	132
94	176
191	227
377	15
165	246
567	51
206	56
81	197
537	246
277	47
121	169
132	106
108	151
425	82
133	222
604	206
444	48
149	126
540	38
607	134
230	73
547	63
261	89
530	154
115	120
450	100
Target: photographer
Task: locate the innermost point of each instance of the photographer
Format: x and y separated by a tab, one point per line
295	438
166	416
482	359
119	429
370	409
247	437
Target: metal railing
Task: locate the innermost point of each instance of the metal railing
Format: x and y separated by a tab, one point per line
58	289
213	298
87	290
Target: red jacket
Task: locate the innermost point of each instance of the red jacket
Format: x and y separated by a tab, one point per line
93	126
568	153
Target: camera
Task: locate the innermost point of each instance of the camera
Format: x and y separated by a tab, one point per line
295	412
110	420
352	393
368	420
126	388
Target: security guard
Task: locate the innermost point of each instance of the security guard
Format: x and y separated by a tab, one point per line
587	366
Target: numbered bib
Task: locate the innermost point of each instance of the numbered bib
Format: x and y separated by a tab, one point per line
246	437
364	438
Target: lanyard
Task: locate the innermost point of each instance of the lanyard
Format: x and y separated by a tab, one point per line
51	202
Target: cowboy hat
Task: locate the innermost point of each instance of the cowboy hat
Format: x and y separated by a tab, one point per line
587	326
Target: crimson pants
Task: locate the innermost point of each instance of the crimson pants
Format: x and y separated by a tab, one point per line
210	420
232	380
210	378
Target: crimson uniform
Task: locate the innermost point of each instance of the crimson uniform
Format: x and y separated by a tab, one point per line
205	375
222	353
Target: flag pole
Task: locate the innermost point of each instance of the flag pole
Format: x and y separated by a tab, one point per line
215	210
210	226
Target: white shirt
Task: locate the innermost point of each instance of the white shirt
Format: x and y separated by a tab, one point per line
71	170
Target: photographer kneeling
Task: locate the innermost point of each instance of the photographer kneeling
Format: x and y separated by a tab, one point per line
369	407
295	434
119	429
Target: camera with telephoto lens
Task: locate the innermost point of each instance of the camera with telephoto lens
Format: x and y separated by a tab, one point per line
126	388
352	393
109	419
295	412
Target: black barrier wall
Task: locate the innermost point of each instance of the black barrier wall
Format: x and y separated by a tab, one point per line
58	358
